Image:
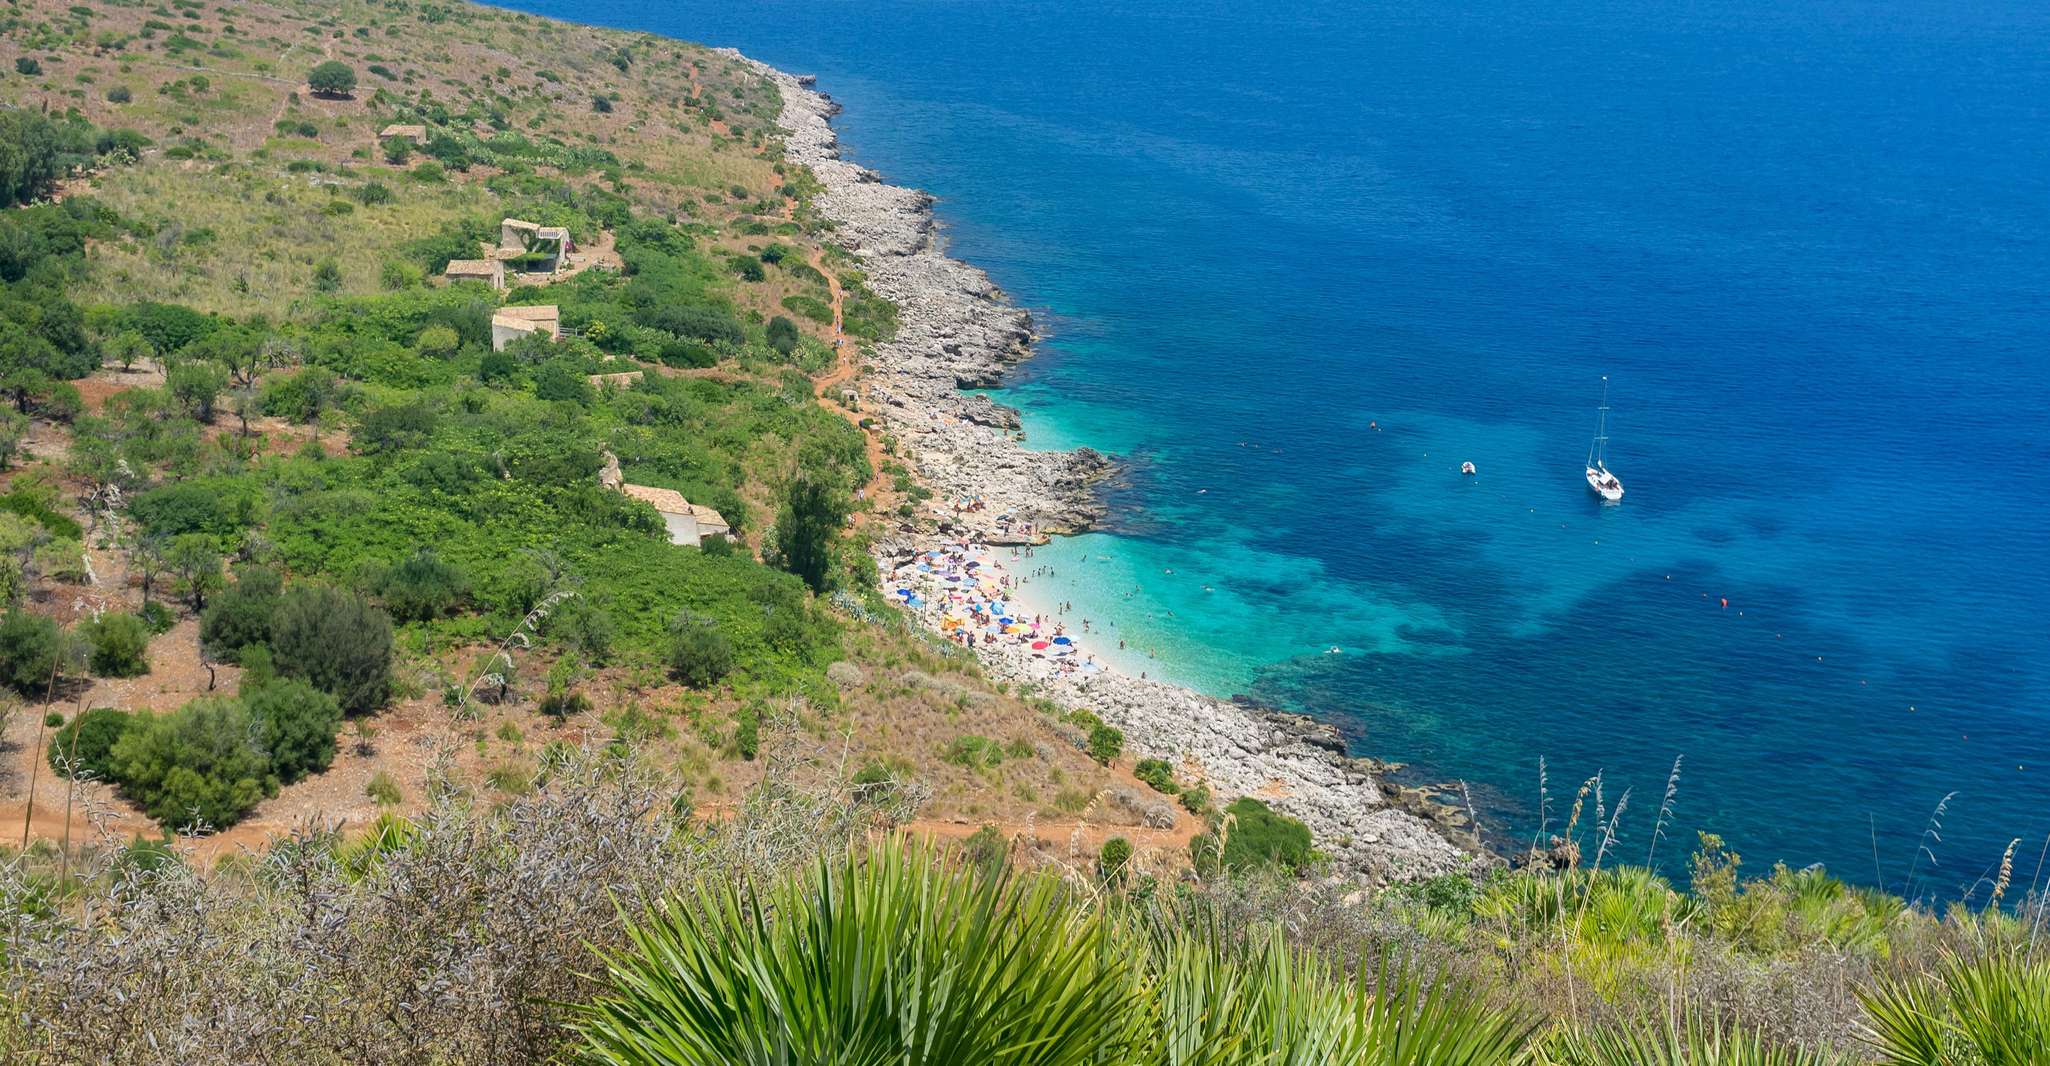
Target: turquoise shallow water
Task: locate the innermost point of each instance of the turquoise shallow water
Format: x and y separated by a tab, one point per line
1804	240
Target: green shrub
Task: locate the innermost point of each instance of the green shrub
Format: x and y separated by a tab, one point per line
1113	861
1196	799
1158	774
422	587
1106	743
199	764
38	507
974	752
30	646
747	733
810	307
563	698
986	848
87	742
196	385
120	94
438	342
782	335
300	397
1255	837
120	644
296	724
27	67
335	641
562	379
241	615
699	655
584	626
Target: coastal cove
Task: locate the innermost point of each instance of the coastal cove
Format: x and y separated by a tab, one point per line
1806	327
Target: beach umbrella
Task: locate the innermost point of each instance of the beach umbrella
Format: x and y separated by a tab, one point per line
1006	621
1039	645
1062	640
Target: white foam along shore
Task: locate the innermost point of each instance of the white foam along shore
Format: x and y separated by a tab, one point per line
956	330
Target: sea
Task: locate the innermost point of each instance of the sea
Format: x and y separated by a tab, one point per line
1296	263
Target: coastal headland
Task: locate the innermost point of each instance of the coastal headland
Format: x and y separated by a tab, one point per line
993	498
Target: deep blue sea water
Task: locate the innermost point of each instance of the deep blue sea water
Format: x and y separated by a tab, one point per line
1808	241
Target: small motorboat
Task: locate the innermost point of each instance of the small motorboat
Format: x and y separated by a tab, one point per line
1467	469
1599	479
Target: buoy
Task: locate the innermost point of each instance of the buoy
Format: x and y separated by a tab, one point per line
1466	468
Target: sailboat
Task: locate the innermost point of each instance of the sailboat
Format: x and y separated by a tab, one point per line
1599	479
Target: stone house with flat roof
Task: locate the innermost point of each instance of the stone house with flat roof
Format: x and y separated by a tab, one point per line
687	522
511	323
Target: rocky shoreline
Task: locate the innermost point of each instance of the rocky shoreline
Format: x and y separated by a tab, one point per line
957	330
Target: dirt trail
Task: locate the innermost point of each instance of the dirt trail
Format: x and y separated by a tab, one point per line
846	364
327	50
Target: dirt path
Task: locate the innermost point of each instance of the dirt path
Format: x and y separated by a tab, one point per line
846	364
327	50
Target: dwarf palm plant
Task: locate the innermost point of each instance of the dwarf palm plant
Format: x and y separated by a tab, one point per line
886	958
1991	1011
1687	1044
1269	1005
897	957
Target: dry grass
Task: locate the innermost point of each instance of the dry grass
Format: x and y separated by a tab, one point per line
245	239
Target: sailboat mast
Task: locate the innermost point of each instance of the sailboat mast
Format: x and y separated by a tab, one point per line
1598	451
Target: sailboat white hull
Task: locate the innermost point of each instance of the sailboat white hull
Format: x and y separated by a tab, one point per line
1604	484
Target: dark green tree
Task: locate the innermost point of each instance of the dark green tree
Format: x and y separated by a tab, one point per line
241	615
196	385
197	562
120	644
200	764
30	646
87	742
699	655
332	78
808	528
295	725
336	641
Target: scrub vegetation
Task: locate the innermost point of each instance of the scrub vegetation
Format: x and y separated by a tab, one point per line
350	717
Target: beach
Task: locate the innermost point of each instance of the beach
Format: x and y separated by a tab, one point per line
962	567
